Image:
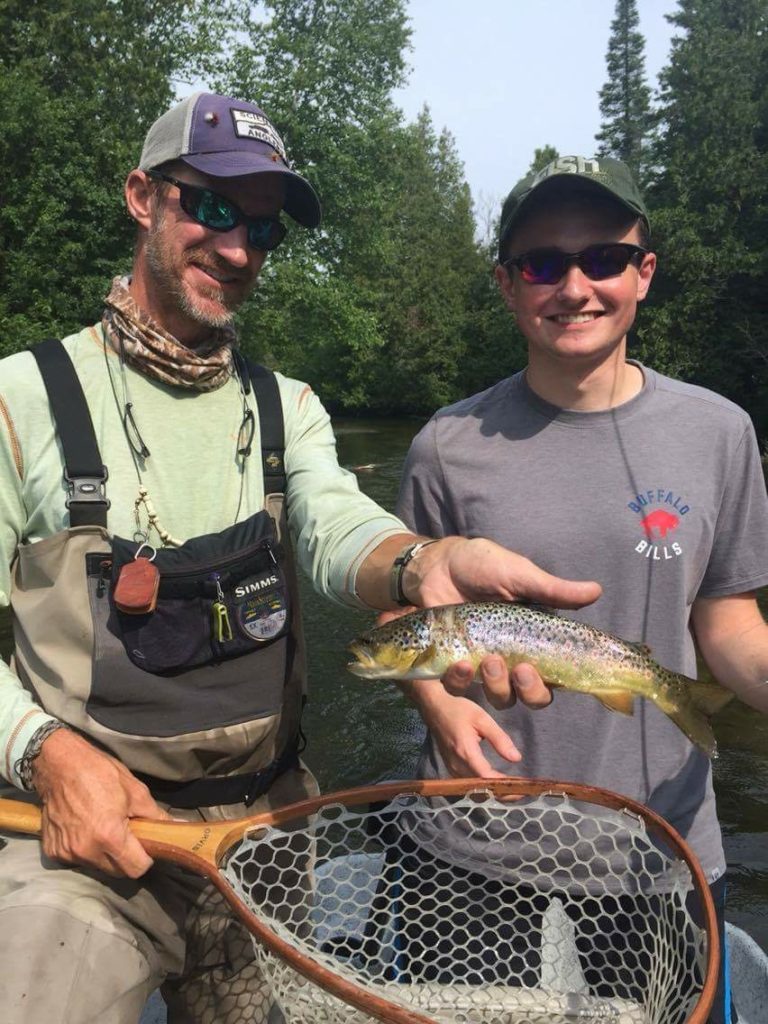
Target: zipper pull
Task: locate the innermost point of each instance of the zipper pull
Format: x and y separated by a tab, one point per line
222	629
106	571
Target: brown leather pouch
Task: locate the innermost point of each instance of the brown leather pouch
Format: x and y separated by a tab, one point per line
136	588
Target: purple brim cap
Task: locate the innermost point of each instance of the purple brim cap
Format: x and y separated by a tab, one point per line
227	137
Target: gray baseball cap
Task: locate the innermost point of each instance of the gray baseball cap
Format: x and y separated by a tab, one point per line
226	137
574	175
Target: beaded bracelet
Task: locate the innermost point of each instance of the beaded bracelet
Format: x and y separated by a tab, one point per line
23	766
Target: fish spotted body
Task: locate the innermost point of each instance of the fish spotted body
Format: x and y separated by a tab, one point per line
567	654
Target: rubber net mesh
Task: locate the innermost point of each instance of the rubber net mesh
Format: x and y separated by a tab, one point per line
532	911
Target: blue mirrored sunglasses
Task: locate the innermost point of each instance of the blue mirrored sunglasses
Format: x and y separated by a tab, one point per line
220	214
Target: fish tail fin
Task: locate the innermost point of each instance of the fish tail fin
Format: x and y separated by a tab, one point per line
696	727
703	700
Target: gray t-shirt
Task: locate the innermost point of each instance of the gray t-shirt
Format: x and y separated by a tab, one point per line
662	500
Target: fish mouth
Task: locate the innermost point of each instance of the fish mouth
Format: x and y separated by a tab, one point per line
368	667
365	666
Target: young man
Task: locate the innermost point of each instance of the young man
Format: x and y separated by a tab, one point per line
593	465
147	553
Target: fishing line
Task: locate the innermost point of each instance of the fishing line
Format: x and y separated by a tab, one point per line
140	449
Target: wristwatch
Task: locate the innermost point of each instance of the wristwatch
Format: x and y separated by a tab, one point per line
408	553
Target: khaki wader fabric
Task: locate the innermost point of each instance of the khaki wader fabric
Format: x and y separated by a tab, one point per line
59	641
77	947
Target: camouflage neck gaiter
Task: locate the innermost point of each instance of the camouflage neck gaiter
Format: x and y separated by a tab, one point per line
154	352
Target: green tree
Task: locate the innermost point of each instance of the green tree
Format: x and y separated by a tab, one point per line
424	296
80	81
312	325
325	72
708	320
541	157
373	307
625	99
498	347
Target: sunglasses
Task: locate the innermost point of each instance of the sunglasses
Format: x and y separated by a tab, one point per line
597	262
220	214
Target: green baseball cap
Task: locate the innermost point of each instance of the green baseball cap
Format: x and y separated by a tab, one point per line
574	174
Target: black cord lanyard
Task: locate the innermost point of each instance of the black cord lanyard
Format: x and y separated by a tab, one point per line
135	441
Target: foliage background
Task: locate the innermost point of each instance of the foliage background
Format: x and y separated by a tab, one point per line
391	306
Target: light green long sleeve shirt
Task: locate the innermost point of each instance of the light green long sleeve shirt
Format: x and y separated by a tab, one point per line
193	477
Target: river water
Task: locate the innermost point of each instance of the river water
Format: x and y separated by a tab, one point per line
361	732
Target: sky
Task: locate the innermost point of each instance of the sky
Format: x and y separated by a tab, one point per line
508	76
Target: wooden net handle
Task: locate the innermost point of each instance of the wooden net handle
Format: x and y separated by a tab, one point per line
19	816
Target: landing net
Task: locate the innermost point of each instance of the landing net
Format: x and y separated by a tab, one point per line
541	910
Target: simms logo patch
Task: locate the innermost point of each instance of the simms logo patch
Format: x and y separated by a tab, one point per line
254	586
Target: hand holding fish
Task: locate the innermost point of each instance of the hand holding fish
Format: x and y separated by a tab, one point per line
503	685
459	569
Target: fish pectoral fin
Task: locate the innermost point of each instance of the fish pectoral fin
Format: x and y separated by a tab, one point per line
617	700
428	665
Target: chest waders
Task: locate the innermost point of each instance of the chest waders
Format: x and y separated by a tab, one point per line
201	698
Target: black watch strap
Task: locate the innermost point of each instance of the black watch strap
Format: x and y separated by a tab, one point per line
408	553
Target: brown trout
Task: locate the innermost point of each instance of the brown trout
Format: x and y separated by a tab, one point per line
566	654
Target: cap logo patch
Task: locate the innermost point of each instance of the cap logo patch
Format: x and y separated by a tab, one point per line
249	125
568	165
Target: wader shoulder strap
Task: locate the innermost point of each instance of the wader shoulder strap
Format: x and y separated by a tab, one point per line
267	395
84	471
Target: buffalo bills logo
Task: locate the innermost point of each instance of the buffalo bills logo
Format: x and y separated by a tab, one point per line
661	513
661	521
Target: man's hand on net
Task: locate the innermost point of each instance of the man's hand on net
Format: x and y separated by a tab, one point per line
88	799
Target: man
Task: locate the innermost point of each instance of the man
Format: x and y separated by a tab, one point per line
589	463
147	553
